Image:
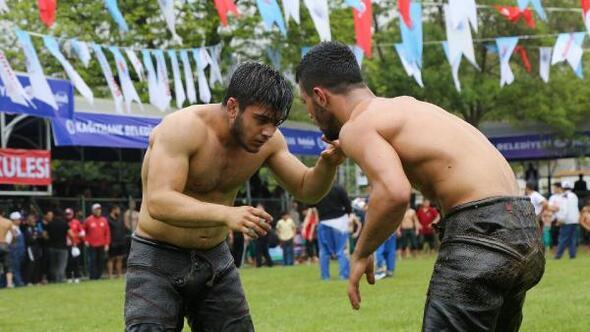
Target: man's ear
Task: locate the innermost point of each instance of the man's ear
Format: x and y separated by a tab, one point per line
320	96
233	108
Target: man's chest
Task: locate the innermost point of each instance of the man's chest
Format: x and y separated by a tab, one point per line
221	171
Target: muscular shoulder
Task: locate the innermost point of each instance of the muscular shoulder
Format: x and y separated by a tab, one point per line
383	116
276	143
184	129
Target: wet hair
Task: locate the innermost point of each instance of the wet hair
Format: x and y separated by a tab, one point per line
331	65
260	85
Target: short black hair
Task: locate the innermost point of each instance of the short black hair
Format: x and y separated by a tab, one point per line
531	185
257	84
331	65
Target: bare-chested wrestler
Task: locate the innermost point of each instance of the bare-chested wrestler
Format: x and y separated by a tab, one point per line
197	160
5	265
409	230
490	254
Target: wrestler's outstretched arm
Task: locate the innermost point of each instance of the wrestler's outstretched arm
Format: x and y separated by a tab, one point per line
308	185
390	195
172	144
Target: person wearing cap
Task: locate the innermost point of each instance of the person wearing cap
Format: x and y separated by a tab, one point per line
570	222
75	236
98	239
16	248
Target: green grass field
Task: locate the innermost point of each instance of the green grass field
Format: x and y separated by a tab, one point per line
294	299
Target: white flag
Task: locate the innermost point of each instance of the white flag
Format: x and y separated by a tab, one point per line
201	59
41	89
291	9
53	47
129	91
545	62
459	39
162	71
135	63
214	70
178	88
108	75
4	8
167	8
157	96
13	89
568	47
506	46
318	9
188	76
81	50
461	10
455	64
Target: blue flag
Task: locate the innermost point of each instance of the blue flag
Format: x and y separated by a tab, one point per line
271	14
412	38
113	9
356	4
522	4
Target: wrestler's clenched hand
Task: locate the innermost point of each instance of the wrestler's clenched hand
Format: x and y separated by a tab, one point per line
249	220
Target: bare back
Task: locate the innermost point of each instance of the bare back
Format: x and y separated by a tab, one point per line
444	157
215	175
5	227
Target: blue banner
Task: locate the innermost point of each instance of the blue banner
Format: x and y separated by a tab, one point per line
118	131
62	91
546	146
103	130
304	142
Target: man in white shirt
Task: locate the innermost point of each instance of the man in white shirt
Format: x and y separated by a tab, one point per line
538	201
571	216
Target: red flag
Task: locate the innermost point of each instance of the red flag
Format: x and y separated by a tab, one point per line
47	10
524	57
527	15
585	6
363	22
513	14
404	10
225	6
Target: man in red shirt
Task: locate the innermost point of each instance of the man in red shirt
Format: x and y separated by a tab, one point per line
98	239
76	234
427	215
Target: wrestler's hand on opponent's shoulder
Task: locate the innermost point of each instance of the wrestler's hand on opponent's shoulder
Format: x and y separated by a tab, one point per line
358	267
333	152
249	220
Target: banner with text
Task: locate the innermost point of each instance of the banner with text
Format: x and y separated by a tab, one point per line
25	167
103	130
62	91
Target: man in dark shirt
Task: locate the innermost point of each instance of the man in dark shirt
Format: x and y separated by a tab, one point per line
118	247
57	230
334	210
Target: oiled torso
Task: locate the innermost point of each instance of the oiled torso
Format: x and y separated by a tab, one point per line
215	175
444	157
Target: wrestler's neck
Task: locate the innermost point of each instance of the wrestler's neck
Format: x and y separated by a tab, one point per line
352	103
